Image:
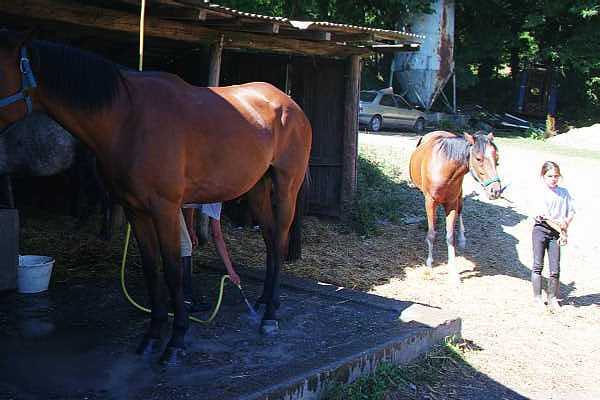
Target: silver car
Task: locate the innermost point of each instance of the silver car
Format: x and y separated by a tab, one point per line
380	109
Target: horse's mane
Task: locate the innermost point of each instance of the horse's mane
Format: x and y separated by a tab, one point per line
76	78
457	148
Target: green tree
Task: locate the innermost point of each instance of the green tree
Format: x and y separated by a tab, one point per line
561	34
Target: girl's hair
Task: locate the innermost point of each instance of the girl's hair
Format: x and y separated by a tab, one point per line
550	165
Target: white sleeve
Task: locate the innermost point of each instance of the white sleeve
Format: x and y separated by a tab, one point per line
570	205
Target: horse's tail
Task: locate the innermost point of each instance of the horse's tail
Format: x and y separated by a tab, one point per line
295	236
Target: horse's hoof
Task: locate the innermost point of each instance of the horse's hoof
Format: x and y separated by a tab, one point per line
173	356
269	326
149	346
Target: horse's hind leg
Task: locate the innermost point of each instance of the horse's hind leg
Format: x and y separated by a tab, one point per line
259	200
286	185
167	224
430	208
147	240
451	214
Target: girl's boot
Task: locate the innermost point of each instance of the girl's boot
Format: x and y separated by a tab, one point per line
536	283
553	293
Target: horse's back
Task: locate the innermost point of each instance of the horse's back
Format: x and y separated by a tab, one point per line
424	157
435	135
236	132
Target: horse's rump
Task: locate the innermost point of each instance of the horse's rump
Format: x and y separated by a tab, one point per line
213	135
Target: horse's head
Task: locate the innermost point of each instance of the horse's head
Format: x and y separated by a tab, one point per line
16	77
483	159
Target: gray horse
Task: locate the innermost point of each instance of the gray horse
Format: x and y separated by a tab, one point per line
38	146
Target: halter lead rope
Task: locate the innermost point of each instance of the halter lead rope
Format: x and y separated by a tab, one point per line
28	82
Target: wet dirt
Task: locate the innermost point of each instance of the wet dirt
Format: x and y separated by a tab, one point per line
78	339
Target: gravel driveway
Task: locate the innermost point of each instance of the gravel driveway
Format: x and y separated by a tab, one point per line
535	354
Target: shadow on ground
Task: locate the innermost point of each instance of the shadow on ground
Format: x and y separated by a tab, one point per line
492	250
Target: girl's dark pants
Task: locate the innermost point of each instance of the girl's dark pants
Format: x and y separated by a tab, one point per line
545	238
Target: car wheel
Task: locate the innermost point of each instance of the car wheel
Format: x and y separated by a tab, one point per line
375	123
419	125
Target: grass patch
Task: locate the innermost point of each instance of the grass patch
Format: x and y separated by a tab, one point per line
547	147
383	195
389	381
376	198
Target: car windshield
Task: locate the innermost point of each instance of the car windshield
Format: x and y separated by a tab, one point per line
367	97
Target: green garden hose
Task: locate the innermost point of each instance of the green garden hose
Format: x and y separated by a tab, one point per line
135	304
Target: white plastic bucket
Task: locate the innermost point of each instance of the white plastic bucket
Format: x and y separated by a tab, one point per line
33	273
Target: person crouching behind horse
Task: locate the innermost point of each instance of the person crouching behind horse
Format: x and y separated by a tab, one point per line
553	211
189	241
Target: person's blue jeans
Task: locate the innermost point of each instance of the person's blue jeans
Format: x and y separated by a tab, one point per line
545	239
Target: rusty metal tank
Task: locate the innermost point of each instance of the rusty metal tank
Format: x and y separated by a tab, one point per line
422	75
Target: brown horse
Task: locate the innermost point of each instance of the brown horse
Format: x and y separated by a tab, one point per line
161	143
438	166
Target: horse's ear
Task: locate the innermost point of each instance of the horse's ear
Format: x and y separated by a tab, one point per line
469	138
490	136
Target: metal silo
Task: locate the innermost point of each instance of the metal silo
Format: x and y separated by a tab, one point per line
422	75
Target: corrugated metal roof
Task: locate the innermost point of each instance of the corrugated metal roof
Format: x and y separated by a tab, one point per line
303	25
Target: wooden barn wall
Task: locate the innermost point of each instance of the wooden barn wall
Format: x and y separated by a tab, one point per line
318	86
241	67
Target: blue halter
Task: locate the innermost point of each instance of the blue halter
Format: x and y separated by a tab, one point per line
27	83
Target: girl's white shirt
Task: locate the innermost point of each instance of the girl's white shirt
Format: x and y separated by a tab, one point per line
556	203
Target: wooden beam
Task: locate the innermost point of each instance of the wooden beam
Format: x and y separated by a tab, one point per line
114	20
353	37
178	13
261	28
395	48
104	18
306	34
350	145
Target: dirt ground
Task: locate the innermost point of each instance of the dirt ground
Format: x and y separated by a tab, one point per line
536	354
522	352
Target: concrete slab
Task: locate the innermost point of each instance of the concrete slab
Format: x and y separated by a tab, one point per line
78	339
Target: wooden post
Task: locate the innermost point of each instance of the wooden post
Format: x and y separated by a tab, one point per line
350	146
214	77
214	70
9	248
7	191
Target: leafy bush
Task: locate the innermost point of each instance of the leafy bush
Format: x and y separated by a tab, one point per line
535	133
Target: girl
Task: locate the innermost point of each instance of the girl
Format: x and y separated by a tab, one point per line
553	207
